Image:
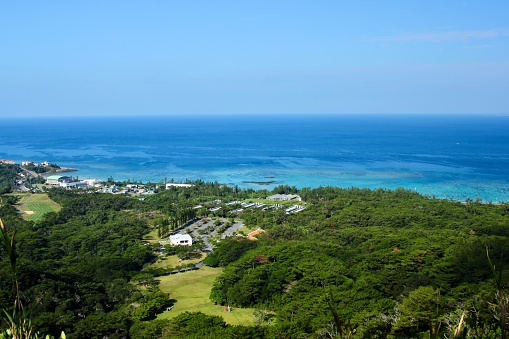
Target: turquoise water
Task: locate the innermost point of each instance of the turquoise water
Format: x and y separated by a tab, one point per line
454	157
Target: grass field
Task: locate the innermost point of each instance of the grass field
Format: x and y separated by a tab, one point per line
174	261
152	237
34	206
192	290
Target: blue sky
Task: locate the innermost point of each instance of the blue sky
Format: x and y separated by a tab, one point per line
253	57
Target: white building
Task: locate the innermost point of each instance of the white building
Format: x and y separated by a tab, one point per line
172	184
56	179
92	182
74	184
284	197
5	161
181	239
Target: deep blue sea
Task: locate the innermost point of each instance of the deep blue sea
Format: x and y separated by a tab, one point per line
452	156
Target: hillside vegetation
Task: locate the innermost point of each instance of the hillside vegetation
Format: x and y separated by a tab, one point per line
394	263
354	263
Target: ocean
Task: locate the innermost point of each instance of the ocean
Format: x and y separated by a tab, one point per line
447	156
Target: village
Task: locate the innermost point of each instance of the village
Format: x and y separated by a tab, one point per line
218	217
51	175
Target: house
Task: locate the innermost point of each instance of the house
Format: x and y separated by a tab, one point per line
294	209
177	185
55	180
8	162
92	182
74	184
181	240
247	205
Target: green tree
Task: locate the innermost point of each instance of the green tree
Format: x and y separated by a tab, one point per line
422	309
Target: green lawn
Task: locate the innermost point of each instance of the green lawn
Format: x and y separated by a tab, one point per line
192	290
34	206
152	237
174	261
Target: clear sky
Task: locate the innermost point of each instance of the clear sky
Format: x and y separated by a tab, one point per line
250	57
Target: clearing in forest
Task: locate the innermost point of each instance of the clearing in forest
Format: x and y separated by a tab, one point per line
173	261
35	206
192	290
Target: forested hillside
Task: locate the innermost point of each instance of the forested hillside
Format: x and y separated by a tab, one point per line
394	262
355	263
8	174
74	266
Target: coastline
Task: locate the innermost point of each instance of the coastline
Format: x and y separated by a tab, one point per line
60	170
460	190
66	169
419	153
490	192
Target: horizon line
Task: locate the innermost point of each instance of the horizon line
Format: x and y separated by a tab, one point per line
113	115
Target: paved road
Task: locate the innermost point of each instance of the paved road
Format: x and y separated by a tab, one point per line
237	225
202	224
22	186
31	173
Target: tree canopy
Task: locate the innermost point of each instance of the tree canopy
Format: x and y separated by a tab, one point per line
372	263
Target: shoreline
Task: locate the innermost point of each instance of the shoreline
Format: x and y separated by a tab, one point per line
66	169
462	190
269	185
341	151
60	170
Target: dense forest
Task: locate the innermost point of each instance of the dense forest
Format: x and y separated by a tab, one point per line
395	263
8	175
356	263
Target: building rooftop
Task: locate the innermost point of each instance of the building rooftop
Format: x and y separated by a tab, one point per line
283	197
55	177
